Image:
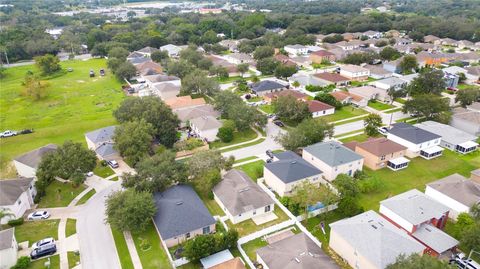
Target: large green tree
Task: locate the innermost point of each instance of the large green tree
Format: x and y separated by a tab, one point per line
308	132
198	82
290	109
263	52
408	64
125	70
416	261
267	65
372	122
48	64
285	71
467	97
130	210
133	140
430	106
309	194
430	81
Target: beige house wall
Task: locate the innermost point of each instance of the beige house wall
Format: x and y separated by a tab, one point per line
375	162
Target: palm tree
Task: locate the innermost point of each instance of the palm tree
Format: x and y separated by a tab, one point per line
5	213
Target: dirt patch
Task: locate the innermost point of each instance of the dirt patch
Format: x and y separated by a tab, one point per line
81	81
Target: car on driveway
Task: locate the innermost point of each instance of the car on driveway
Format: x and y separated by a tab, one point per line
37	215
43	242
43	251
383	130
279	123
8	133
113	163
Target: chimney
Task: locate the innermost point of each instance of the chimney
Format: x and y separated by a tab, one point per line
475	176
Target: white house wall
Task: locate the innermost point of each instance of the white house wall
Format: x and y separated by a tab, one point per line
8	257
24	170
455	207
396	218
329	172
320	113
413	150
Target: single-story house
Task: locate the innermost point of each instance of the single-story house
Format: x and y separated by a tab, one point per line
139	60
269	97
101	141
319	109
372	34
221	62
267	86
166	91
370	93
390	83
369	241
456	70
456	192
452	138
320	56
305	80
354	72
378	72
206	127
16	196
149	68
418	141
467	120
332	78
430	38
284	59
239	58
147	51
393	66
172	50
296	49
189	113
153	80
184	102
134	55
241	198
230	44
287	171
216	259
381	152
294	252
332	158
422	217
181	215
8	248
27	164
350	98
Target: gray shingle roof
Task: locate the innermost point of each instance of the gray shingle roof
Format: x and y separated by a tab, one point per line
448	133
106	149
11	189
266	85
185	114
435	238
295	252
291	169
375	239
139	60
101	135
412	134
333	153
179	211
240	194
206	123
458	188
415	207
6	238
33	158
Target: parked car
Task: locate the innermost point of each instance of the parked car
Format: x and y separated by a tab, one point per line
462	261
383	130
26	131
102	72
452	89
89	174
43	251
70	69
269	153
92	73
38	215
43	242
113	163
279	123
8	133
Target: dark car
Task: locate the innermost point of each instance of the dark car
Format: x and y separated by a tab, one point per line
102	72
279	123
92	73
43	251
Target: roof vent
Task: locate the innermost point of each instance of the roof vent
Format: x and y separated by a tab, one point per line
297	260
294	162
374	227
428	229
179	203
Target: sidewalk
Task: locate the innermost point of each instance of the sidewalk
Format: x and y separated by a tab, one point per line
137	264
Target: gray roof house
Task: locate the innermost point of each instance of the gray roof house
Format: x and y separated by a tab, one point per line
294	252
189	113
370	241
171	49
101	141
181	215
266	86
419	142
240	197
8	248
452	138
16	196
206	127
27	163
391	82
466	119
333	159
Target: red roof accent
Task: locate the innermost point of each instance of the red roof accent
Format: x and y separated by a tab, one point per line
332	77
316	106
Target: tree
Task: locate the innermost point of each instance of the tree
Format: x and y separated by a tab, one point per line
389	54
179	68
125	70
333	39
309	194
290	109
408	64
119	53
242	68
267	65
475	211
156	173
461	77
328	99
133	140
285	71
416	261
296	84
308	132
395	93
204	245
470	238
430	81
358	58
198	82
432	107
154	111
223	100
205	64
467	97
246	116
34	88
219	71
159	56
263	52
225	133
130	210
347	186
114	63
204	169
48	64
372	122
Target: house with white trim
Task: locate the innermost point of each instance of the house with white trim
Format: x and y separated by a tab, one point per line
418	141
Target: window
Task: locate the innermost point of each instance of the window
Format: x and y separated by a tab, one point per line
383	157
206	230
187	235
267	208
254	212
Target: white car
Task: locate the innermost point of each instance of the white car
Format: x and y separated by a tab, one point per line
383	130
38	215
8	133
43	242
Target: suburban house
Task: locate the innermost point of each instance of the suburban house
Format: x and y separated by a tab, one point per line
456	192
431	58
284	59
378	72
101	141
149	68
467	120
430	38
294	252
347	46
184	102
305	80
370	93
418	141
139	60
350	98
390	83
230	44
8	248
135	54
368	241
153	80
181	215
319	56
172	50
354	72
452	138
235	263
332	78
147	51
381	152
287	171
333	158
27	164
189	113
456	70
267	86
16	196
296	49
393	66
239	58
166	91
372	34
206	127
269	97
241	198
422	217
221	62
319	109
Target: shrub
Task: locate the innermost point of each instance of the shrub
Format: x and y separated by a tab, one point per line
22	263
204	245
371	184
15	222
189	144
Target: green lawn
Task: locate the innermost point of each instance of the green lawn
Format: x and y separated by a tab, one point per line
103	171
344	113
379	105
266	108
86	197
71	227
73	259
313	225
251	247
150	250
359	138
400	100
59	194
248	226
244	145
418	173
393	110
255	99
32	231
246	159
75	104
238	137
122	249
40	264
114	179
212	206
253	169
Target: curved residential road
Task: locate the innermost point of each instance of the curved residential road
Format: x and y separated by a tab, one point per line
97	246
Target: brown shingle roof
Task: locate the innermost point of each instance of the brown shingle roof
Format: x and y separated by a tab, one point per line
184	101
293	93
381	146
316	106
332	77
235	263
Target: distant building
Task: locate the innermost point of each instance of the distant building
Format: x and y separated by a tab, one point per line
319	109
267	86
206	127
354	72
452	138
296	49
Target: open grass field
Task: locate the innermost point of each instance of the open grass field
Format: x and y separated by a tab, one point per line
151	253
122	249
75	104
32	231
59	194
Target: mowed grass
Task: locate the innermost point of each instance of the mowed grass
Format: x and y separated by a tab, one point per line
32	231
122	249
248	226
103	171
75	104
379	105
151	253
40	263
86	197
238	137
71	227
344	113
59	194
254	169
418	173
73	259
